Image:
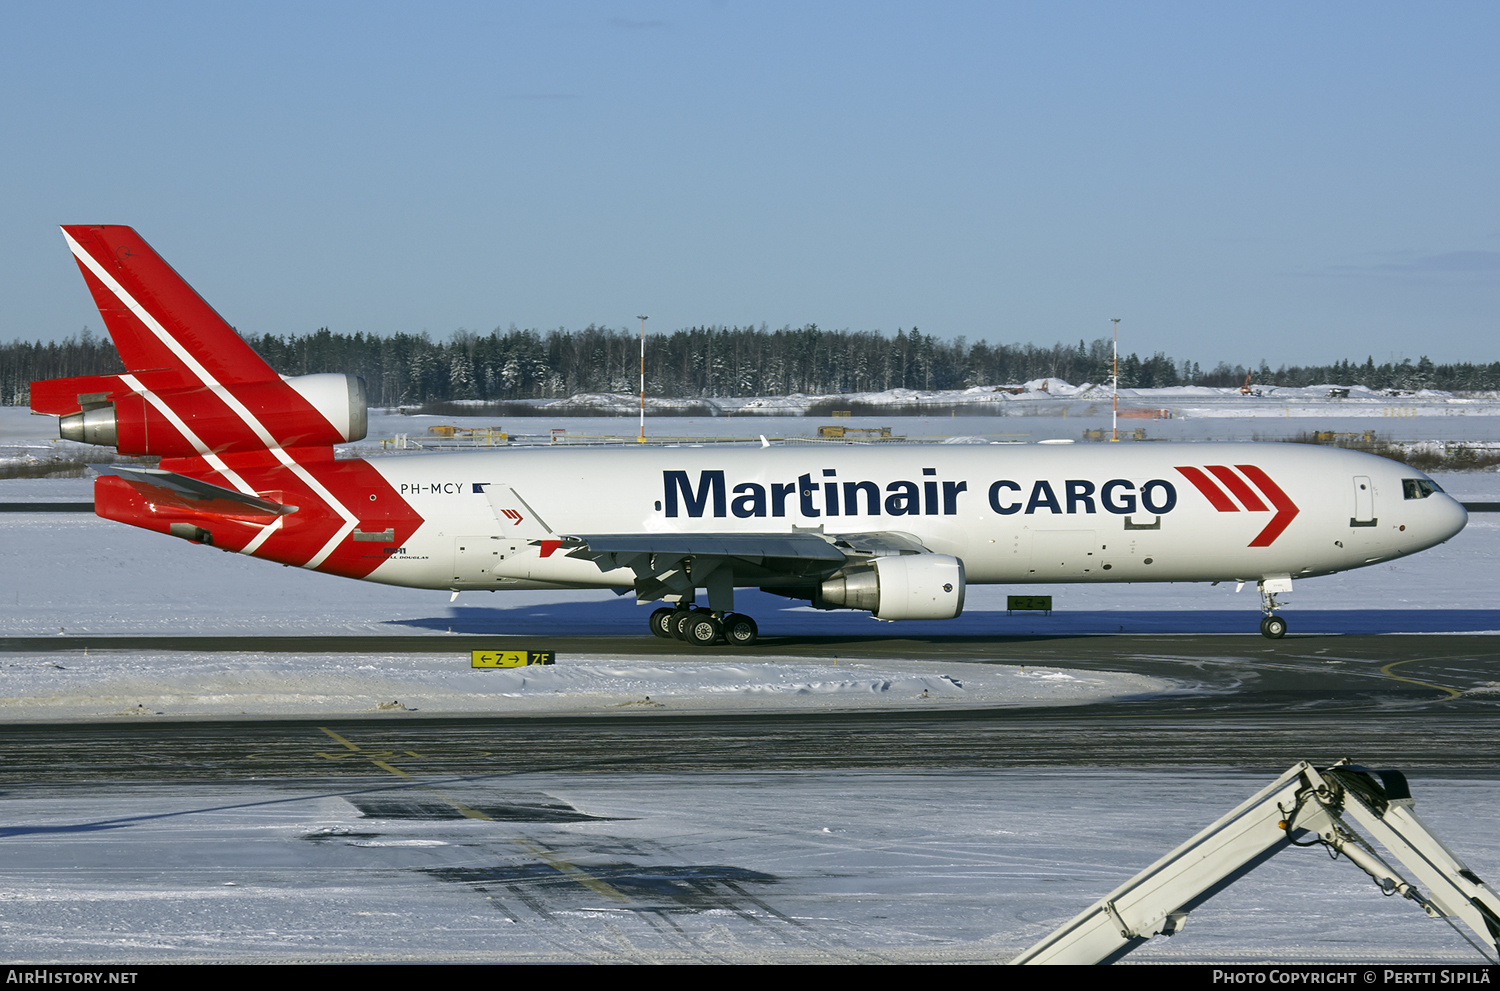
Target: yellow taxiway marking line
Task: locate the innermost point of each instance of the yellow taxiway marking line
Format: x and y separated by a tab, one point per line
578	874
594	884
1386	670
384	765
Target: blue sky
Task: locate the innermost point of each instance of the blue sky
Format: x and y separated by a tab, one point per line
1290	182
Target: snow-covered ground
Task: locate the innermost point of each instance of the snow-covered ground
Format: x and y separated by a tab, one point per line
48	686
819	866
988	415
1042	397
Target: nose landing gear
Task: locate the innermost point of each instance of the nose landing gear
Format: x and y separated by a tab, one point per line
1272	627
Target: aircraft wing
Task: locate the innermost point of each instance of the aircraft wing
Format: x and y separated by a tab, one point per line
676	563
882	544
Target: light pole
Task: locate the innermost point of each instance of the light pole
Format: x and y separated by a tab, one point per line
1114	416
642	438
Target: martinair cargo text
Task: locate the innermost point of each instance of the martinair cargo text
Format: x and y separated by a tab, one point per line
247	465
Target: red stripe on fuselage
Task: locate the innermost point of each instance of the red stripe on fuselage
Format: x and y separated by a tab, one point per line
1211	492
1286	510
361	489
1236	485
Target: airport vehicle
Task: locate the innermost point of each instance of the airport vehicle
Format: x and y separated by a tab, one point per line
1304	807
248	465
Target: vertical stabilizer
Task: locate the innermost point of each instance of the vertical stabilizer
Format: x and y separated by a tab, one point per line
158	323
192	388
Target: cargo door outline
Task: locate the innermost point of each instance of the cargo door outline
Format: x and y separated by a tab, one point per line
1063	554
475	559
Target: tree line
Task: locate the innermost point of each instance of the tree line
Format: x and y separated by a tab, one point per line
698	362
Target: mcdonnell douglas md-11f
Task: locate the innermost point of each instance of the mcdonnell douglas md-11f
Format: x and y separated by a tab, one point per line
247	465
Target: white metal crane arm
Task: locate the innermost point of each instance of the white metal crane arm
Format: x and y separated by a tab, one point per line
1301	802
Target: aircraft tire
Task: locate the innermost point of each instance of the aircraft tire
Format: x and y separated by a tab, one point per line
740	630
678	622
659	622
703	629
1273	627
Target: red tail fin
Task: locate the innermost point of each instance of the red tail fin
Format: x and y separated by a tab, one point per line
159	324
193	388
247	456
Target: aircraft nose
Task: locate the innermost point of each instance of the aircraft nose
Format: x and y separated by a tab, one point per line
1431	521
1452	517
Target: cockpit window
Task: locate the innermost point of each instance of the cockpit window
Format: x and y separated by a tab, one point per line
1418	488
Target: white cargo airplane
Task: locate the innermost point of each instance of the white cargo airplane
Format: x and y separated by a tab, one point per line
247	465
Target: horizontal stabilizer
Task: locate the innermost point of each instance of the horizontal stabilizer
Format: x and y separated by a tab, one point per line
60	397
193	489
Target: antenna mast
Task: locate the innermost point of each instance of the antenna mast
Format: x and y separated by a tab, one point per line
642	438
1114	417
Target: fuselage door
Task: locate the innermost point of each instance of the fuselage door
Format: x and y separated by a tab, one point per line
1061	555
475	559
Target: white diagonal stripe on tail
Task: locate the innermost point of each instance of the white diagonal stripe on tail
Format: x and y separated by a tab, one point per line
204	376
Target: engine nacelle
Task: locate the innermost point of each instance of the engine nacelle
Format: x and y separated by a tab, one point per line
911	586
94	425
341	400
135	425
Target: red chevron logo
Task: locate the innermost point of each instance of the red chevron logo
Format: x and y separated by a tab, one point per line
1239	487
514	515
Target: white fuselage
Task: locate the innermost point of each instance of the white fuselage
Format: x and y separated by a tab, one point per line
1012	513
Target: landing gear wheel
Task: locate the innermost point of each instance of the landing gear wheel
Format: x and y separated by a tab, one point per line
659	622
740	630
1273	627
702	629
677	623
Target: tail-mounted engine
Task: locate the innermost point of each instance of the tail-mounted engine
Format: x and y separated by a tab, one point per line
305	411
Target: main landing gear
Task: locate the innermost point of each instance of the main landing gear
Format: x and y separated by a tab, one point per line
1272	626
704	627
